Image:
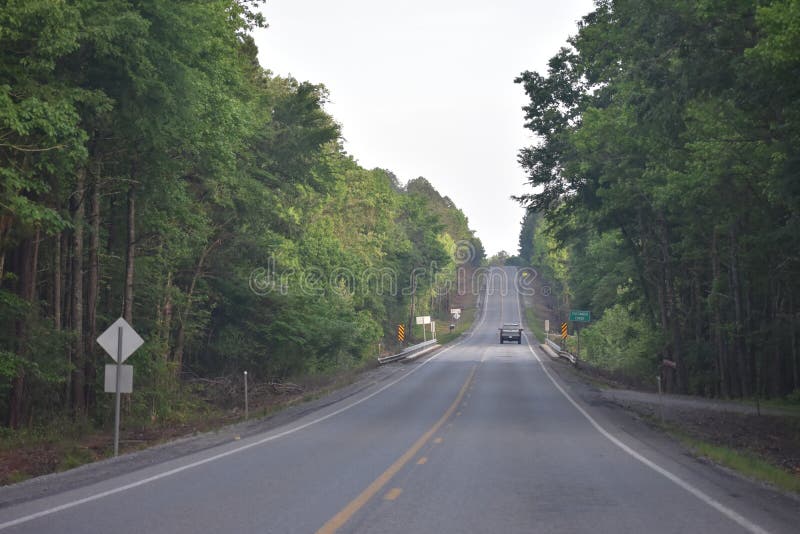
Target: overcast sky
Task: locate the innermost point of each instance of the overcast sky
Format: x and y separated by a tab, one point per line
425	88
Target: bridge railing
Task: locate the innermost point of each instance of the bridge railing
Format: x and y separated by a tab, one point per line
405	353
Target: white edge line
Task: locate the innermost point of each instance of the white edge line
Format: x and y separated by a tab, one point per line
707	499
165	474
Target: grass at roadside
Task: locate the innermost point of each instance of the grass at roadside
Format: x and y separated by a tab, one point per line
535	326
743	462
461	326
443	333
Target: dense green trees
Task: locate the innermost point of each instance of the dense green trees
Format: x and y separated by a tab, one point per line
152	169
667	172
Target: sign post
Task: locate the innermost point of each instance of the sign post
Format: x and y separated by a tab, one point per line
579	316
119	341
117	393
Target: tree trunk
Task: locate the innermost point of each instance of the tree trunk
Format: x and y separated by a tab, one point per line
793	335
24	264
58	283
774	367
66	319
183	317
127	299
719	344
110	244
672	325
92	293
165	315
698	319
78	353
743	367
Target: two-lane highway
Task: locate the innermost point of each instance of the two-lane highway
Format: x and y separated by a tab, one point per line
480	437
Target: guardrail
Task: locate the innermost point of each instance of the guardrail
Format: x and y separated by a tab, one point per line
567	355
571	358
408	351
553	345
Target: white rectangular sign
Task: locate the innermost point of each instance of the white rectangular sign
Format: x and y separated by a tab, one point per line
125	379
425	319
455	310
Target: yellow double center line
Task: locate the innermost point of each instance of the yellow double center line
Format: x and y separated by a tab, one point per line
346	513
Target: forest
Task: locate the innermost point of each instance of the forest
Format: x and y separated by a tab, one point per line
153	170
665	190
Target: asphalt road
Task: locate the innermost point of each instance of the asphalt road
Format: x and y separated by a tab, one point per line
478	437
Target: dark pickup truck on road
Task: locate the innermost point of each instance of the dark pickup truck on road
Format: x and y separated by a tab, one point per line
511	332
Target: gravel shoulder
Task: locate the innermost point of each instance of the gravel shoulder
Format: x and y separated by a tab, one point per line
774	435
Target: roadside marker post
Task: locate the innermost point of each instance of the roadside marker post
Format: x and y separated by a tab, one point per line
579	316
246	404
423	320
660	399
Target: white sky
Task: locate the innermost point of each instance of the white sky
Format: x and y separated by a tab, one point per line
425	88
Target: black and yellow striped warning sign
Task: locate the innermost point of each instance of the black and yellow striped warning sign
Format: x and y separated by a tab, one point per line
401	333
563	330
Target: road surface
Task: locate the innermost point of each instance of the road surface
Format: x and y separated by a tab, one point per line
478	437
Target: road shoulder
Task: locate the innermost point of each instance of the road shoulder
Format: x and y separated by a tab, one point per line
639	430
87	474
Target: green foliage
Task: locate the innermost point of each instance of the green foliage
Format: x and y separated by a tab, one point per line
622	341
535	325
257	243
665	187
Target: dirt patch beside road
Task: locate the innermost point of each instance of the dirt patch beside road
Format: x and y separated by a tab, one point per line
773	436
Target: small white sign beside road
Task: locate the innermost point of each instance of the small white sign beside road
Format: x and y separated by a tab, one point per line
125	379
424	319
109	340
119	340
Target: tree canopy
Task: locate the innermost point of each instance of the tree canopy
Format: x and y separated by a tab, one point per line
665	190
152	169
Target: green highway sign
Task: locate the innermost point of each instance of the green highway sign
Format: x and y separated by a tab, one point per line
580	316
